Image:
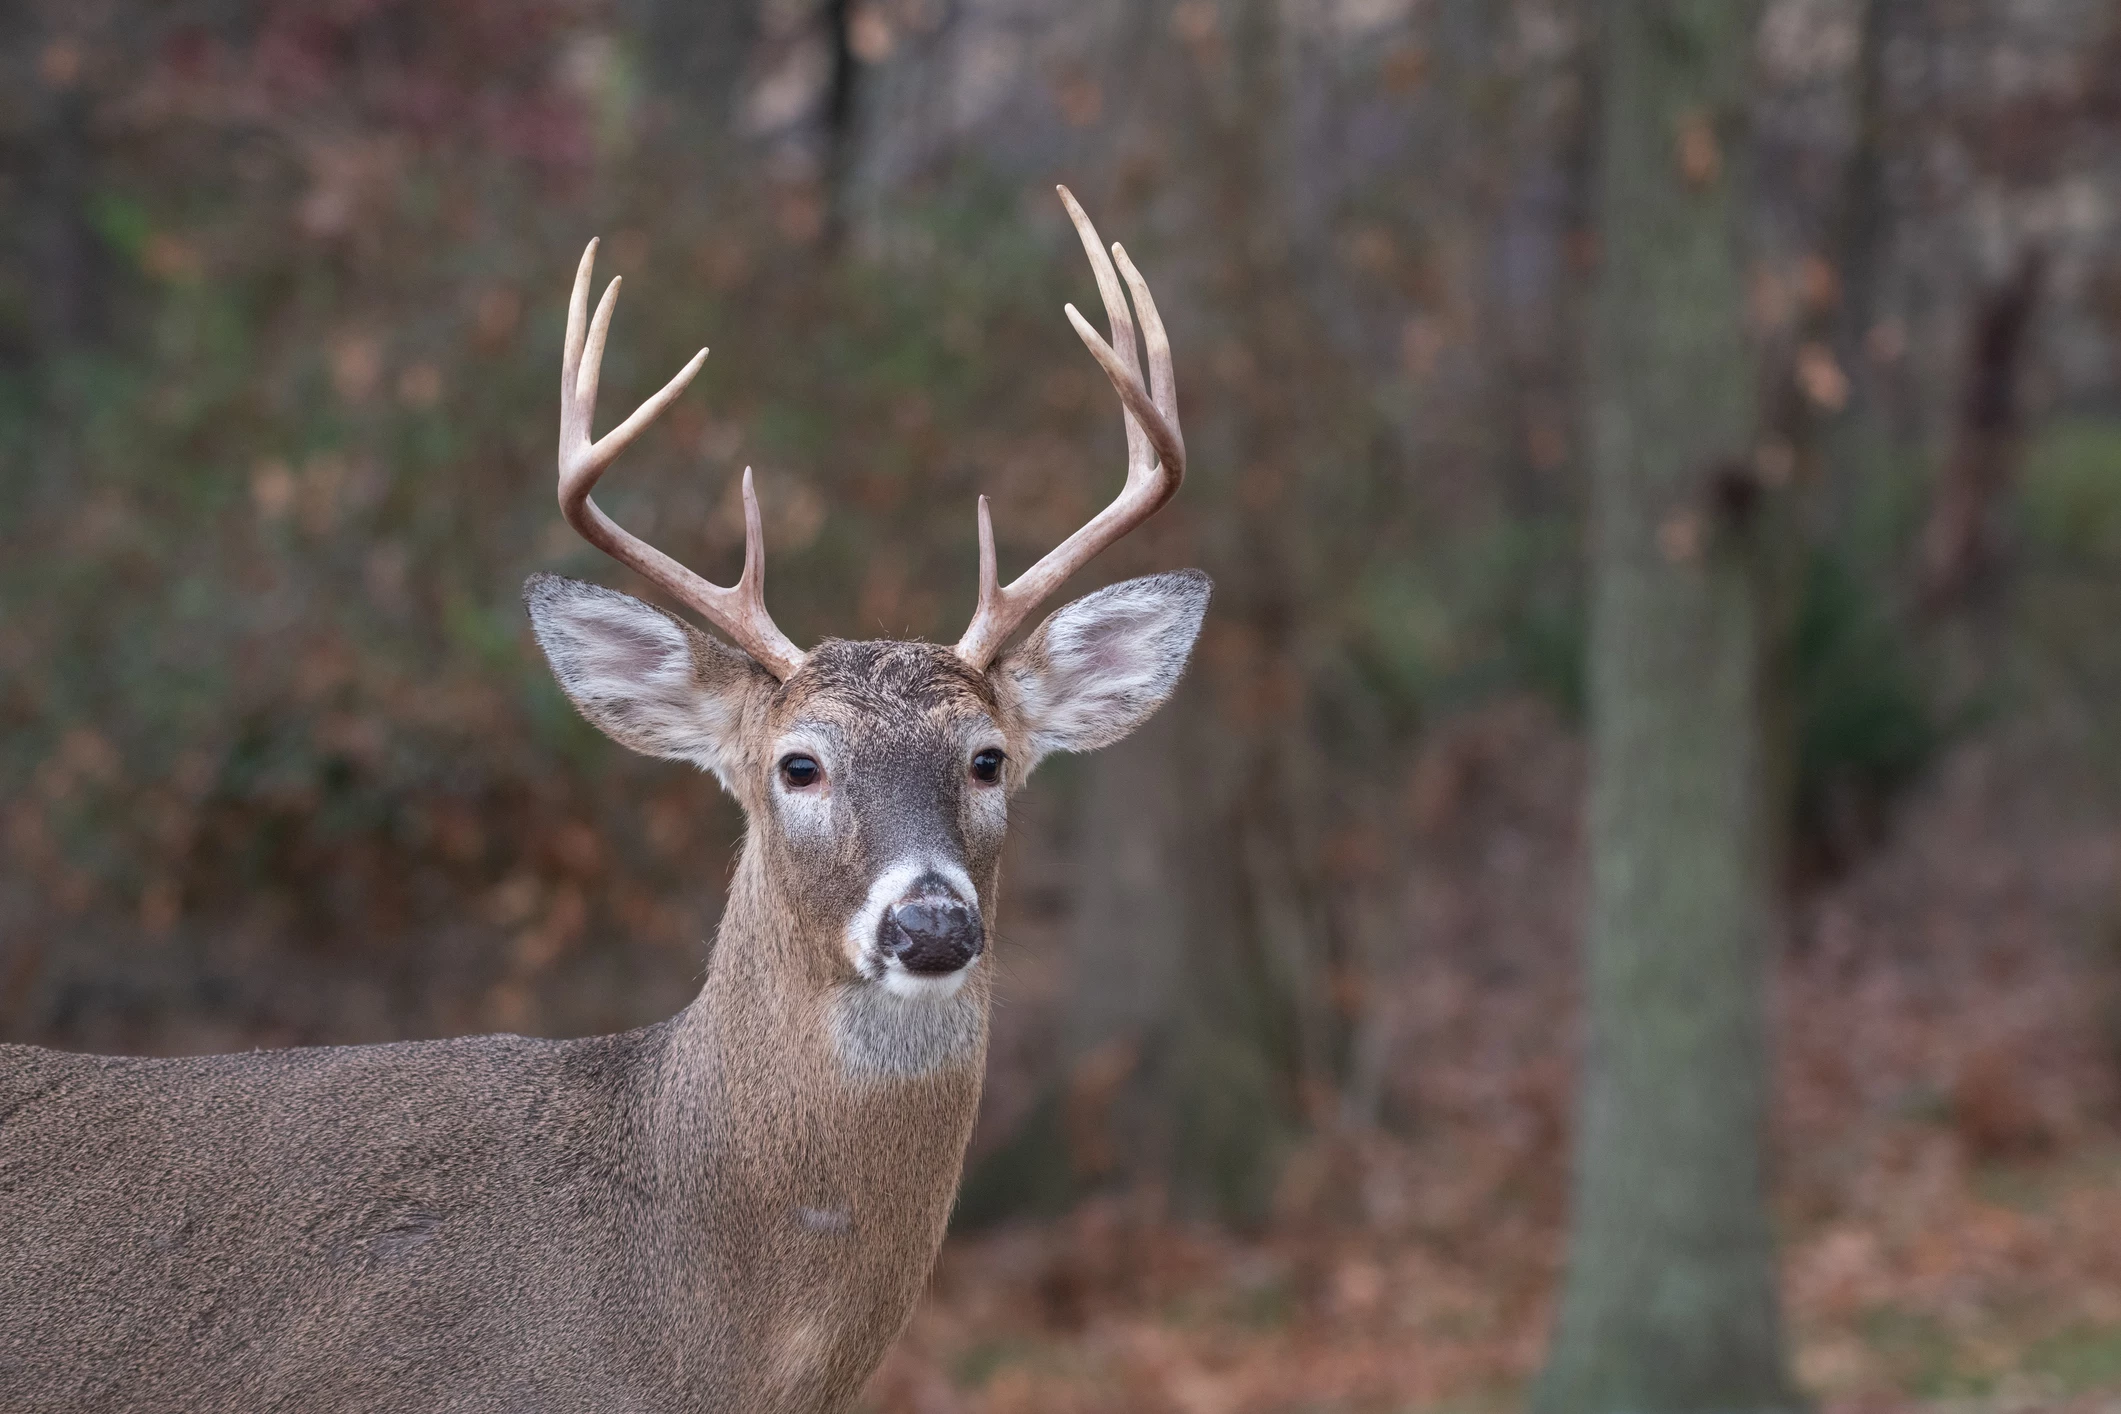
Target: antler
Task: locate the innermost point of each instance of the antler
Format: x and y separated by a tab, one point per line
740	610
1156	454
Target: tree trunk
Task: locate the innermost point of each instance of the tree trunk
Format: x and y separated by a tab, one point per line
1670	1299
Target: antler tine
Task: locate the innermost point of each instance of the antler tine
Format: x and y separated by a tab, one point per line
1163	381
1117	315
739	610
1156	453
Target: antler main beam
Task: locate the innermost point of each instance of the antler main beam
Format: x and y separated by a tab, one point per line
1156	453
738	610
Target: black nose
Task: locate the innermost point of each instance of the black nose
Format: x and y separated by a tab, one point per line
931	933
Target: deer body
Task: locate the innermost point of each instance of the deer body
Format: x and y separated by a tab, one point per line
735	1209
697	1215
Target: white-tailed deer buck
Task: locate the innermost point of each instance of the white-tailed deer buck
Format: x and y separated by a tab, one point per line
733	1210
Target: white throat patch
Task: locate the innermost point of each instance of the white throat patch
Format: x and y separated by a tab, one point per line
879	1035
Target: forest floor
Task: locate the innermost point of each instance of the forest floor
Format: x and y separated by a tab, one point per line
1947	1152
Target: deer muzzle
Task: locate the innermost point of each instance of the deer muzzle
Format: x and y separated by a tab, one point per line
931	931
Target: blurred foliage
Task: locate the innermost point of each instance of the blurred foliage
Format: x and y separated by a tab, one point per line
2071	502
2068	582
1503	612
1489	612
281	292
1867	719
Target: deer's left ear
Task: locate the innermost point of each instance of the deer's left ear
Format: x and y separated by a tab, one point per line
1098	668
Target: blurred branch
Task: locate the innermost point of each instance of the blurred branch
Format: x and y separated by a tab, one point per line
1960	547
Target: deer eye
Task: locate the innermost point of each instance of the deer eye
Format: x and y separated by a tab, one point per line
799	771
987	766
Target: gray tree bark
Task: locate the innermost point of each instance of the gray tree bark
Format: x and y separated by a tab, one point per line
1670	1300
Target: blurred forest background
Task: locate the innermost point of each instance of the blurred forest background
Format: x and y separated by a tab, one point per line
1281	1094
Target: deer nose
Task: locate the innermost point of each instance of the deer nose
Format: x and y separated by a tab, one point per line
931	933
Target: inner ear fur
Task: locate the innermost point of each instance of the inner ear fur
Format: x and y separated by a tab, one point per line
1099	667
644	677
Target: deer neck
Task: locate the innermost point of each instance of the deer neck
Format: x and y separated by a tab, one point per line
795	1099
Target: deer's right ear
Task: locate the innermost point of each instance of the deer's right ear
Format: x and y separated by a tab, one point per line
645	678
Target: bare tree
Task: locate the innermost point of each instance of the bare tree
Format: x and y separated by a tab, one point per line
1670	1301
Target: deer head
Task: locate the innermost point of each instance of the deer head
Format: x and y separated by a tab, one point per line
874	776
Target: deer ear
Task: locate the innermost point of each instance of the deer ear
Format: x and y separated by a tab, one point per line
645	678
1098	668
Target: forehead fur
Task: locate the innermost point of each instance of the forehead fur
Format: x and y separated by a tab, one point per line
883	680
